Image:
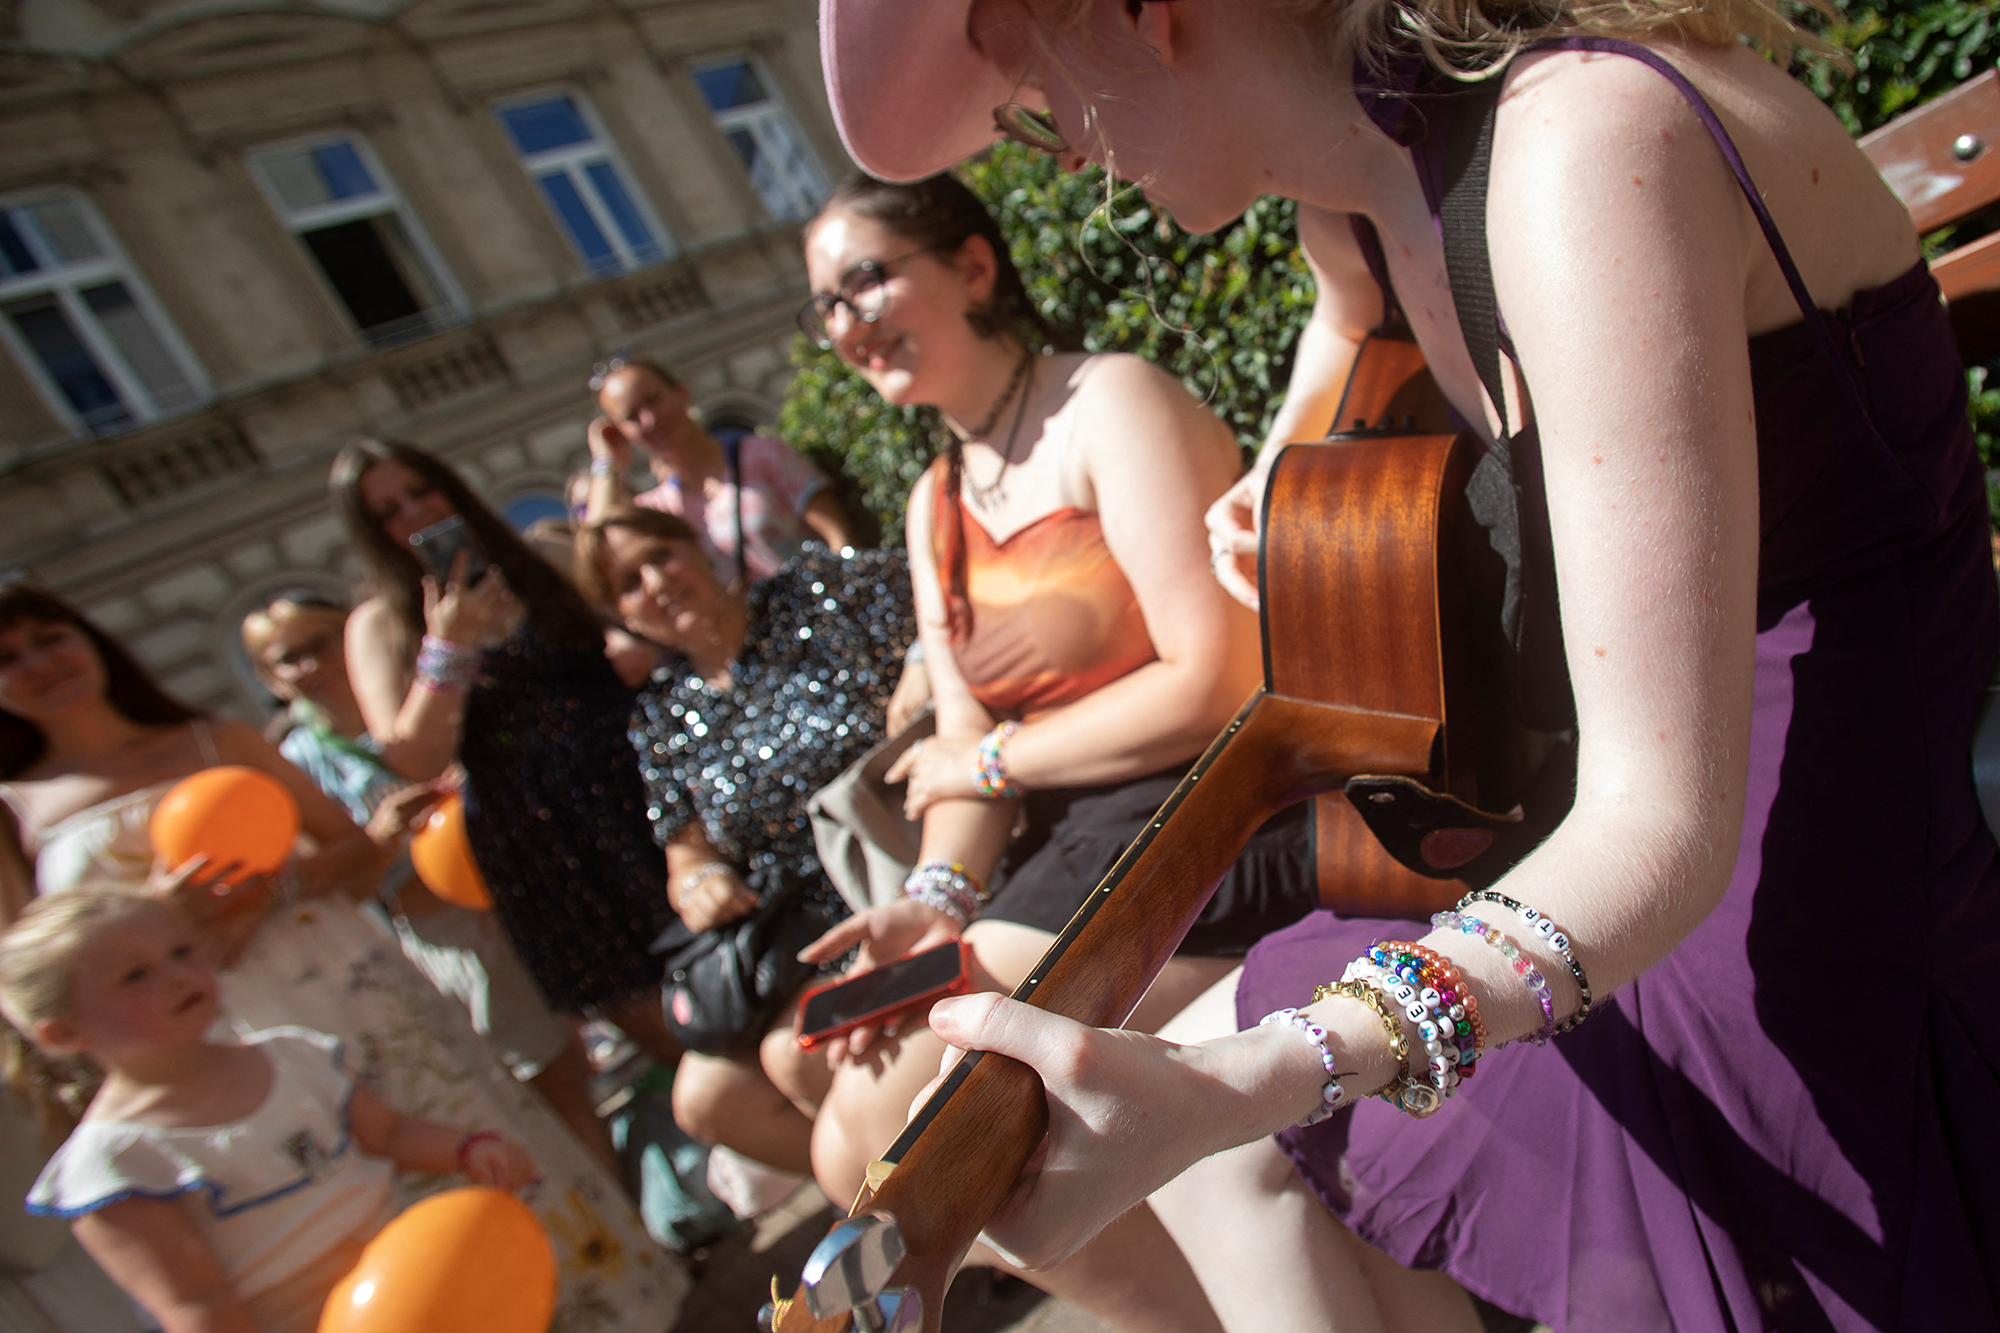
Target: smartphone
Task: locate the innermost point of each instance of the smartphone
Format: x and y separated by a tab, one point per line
439	544
839	1006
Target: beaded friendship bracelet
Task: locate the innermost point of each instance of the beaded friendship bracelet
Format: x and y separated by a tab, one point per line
1441	1055
705	872
468	1143
444	667
1550	934
1456	1005
1332	1093
948	887
1524	966
989	767
1403	1092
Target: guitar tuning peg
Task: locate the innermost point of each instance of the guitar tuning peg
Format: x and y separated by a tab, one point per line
850	1270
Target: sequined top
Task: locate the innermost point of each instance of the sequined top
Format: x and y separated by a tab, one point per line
808	694
1053	617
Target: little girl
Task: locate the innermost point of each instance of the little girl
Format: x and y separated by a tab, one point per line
226	1187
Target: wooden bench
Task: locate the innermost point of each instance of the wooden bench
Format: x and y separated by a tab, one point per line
1943	161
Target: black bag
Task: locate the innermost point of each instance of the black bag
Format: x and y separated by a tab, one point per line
724	987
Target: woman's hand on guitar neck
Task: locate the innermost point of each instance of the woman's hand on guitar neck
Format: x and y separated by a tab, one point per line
1127	1112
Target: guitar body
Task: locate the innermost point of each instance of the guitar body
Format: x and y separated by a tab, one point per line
1362	708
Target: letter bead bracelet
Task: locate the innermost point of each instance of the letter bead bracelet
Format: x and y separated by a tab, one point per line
1331	1094
1550	934
1524	966
989	767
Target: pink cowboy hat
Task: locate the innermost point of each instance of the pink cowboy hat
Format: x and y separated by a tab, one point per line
910	92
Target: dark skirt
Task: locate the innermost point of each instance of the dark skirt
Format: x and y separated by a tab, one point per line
1074	835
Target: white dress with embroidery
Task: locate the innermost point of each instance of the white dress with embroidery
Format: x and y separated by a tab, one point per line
320	964
283	1198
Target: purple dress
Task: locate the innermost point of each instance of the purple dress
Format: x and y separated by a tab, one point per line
1793	1120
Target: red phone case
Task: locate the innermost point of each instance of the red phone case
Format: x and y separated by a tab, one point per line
958	985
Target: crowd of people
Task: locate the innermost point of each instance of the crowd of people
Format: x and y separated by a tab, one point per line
1749	594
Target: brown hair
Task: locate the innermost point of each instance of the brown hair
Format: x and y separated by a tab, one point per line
395	575
593	557
128	687
941	213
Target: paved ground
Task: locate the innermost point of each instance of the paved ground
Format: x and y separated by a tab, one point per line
734	1278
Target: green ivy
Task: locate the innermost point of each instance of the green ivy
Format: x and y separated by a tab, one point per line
1224	312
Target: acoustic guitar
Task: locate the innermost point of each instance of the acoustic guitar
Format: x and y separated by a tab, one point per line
1363	708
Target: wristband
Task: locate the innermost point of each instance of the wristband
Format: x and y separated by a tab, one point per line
603	465
444	667
1550	934
1392	1027
468	1143
1524	966
1331	1093
989	768
705	872
948	887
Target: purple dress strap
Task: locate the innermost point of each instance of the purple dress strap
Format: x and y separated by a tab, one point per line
1814	318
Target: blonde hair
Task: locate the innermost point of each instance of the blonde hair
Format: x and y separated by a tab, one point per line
39	955
1476	38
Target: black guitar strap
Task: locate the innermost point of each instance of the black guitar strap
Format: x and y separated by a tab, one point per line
1505	492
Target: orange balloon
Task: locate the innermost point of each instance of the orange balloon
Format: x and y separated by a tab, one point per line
464	1261
442	854
229	813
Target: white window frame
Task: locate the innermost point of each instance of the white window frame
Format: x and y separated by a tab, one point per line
571	160
388	198
803	198
65	280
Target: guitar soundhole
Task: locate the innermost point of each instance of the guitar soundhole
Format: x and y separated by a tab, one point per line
1450	848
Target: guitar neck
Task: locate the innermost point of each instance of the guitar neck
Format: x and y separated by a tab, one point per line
964	1149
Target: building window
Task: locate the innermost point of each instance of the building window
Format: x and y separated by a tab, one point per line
85	326
785	174
585	185
368	244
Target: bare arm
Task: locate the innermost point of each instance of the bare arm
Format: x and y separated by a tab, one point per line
718	897
152	1250
417	729
607	484
824	517
1347	304
419	1145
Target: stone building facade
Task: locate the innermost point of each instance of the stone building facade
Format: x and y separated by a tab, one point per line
235	234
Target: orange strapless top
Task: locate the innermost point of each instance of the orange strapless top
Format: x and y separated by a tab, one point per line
1047	617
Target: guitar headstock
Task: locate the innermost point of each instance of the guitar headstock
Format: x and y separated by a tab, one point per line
846	1284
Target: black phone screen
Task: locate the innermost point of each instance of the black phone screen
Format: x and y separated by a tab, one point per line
884	988
439	544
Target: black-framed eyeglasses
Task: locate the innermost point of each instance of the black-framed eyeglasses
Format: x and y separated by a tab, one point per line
864	290
1026	125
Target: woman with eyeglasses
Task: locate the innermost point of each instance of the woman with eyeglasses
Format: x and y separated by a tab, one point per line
1725	448
752	499
1080	653
506	674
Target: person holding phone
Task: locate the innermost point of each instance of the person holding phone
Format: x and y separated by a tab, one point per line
507	675
1079	650
768	695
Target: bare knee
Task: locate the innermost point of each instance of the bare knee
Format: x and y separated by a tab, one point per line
706	1092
